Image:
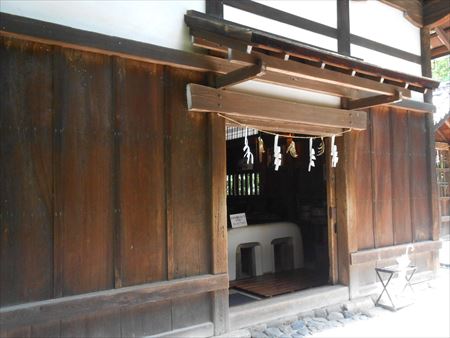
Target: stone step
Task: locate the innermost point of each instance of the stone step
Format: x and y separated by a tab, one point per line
267	310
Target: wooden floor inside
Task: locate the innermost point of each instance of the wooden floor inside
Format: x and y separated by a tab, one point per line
270	285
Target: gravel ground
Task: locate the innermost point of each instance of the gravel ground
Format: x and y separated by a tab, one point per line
427	317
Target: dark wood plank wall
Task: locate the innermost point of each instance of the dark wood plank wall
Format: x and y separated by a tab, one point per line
26	173
389	165
105	182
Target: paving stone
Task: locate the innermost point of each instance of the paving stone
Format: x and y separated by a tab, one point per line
259	327
348	314
320	320
334	308
289	320
303	331
259	335
307	319
287	329
273	332
320	313
299	324
335	316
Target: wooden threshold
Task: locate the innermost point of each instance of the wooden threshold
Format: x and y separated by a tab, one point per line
206	99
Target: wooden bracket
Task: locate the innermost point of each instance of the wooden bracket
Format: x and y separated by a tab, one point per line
443	36
237	76
374	101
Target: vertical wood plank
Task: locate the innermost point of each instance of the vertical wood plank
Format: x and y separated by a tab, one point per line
362	175
168	174
26	211
83	97
431	151
331	212
190	180
381	168
139	106
401	213
420	199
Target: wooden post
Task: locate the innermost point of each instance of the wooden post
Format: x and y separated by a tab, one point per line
432	180
343	26
219	248
428	97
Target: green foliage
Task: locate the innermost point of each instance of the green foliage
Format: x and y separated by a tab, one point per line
441	68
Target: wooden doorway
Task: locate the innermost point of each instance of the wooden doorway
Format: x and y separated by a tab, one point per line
248	188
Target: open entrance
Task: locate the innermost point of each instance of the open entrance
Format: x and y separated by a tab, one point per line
284	246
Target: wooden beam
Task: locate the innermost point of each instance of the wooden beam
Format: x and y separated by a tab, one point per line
206	99
238	75
298	69
439	51
443	37
421	107
287	127
373	255
68	307
374	101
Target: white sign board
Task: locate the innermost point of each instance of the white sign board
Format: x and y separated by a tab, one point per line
238	220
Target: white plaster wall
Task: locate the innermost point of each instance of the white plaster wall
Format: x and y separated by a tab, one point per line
275	27
286	93
382	23
322	11
157	22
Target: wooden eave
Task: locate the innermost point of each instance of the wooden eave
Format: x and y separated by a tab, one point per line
298	75
246	39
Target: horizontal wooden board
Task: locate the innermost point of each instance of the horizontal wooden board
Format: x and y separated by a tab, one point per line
71	307
206	99
374	255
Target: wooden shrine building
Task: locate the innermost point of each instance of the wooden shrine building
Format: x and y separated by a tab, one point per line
122	128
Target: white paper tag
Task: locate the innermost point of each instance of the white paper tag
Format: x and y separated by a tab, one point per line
238	220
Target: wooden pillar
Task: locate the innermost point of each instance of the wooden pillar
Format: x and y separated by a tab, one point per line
343	26
432	180
217	143
215	8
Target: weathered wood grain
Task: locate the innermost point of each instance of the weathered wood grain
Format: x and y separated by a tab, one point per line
139	111
83	190
190	179
26	172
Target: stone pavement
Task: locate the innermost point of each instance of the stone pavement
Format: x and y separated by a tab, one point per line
427	317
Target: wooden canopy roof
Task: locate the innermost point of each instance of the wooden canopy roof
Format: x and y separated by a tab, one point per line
221	35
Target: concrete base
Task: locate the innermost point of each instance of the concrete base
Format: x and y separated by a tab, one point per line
287	305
